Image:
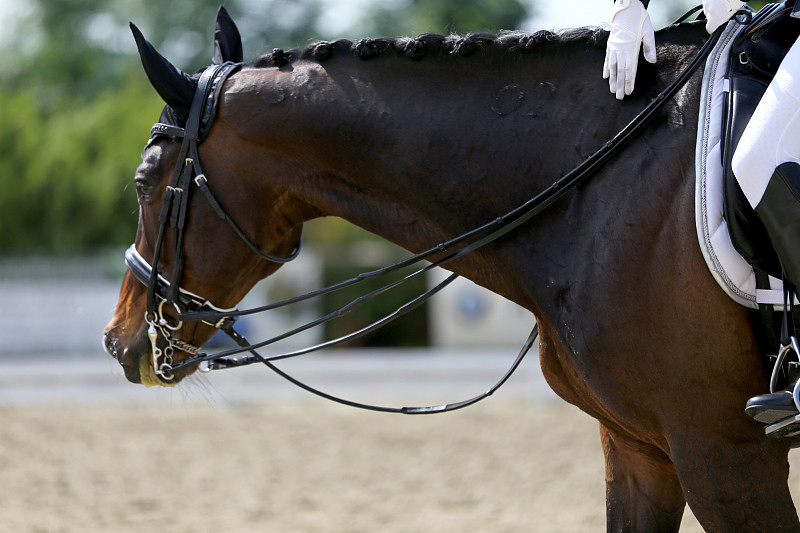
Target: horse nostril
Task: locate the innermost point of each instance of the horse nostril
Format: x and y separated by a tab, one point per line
111	345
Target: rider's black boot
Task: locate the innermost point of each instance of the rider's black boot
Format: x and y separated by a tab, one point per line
771	408
779	411
779	210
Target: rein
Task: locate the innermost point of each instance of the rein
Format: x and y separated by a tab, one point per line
193	308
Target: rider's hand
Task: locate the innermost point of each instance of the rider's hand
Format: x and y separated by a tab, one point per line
718	12
630	28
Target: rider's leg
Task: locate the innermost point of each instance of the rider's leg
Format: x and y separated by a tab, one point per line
767	166
773	135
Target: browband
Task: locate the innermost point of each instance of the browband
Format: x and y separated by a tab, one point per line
209	107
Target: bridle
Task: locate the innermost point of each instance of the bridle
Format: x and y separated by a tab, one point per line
190	307
161	293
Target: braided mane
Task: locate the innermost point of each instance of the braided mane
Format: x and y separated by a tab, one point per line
416	48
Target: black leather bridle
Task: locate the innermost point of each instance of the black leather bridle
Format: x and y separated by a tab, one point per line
160	292
193	308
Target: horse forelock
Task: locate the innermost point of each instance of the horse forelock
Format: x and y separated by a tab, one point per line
431	44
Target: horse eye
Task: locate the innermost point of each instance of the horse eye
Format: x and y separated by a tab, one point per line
143	189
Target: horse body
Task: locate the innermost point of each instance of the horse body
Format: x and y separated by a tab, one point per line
634	330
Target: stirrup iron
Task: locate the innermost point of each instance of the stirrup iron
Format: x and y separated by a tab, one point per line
791	346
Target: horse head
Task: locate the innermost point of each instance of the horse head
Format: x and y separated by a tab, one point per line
200	254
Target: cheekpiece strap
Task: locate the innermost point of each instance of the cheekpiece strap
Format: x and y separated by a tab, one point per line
173	209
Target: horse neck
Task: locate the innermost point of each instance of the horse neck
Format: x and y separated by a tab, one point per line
419	152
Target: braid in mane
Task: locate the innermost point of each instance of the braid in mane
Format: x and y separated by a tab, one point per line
469	44
415	48
279	57
322	50
371	48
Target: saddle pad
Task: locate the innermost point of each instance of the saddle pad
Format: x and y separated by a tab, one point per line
733	273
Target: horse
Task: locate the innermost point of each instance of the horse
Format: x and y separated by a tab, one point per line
421	139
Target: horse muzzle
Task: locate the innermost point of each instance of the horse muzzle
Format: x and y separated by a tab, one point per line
143	358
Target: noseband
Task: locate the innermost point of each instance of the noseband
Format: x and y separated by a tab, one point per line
190	307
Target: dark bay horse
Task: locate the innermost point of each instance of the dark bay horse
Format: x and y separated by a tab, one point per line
420	140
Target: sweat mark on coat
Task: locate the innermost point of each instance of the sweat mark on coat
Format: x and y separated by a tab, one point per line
508	100
273	95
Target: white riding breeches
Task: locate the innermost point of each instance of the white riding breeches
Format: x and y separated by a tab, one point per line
773	135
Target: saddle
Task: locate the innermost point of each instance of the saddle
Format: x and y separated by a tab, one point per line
755	57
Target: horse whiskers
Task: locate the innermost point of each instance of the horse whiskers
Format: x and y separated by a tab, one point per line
199	388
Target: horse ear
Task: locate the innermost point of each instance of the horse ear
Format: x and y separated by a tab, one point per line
227	41
172	84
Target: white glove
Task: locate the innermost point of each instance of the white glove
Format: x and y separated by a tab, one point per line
718	12
630	28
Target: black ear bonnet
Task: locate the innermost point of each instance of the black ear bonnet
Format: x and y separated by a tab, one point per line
175	87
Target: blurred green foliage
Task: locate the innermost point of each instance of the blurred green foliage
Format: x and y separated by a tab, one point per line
65	171
410	330
76	108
